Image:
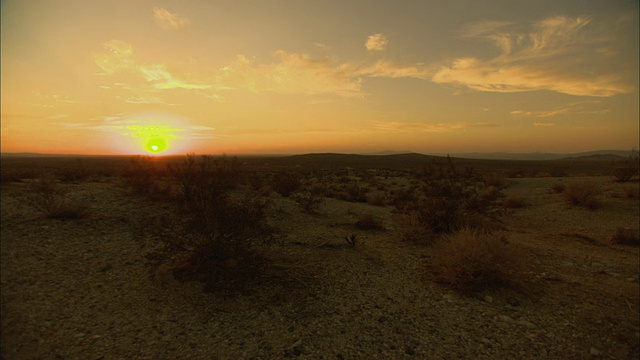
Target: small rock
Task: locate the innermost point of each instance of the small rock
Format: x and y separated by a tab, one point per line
526	323
382	319
488	299
594	352
409	350
506	319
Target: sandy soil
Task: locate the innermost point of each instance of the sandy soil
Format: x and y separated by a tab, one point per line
80	289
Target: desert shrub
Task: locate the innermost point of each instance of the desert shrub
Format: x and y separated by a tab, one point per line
494	179
514	202
582	194
221	227
46	196
308	201
377	199
448	201
470	260
369	222
629	169
357	193
631	191
557	188
624	236
286	182
141	174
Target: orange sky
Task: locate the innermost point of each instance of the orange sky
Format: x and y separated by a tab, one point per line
285	76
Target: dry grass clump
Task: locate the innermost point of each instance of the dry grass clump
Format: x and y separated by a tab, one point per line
631	191
369	222
286	182
624	236
46	196
514	202
583	194
557	188
471	260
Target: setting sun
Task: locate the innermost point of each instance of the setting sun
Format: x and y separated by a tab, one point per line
297	77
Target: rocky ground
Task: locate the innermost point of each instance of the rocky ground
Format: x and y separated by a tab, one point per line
81	289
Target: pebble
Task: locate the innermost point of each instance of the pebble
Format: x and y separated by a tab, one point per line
488	299
594	352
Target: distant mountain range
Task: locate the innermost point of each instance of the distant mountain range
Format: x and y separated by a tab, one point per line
598	155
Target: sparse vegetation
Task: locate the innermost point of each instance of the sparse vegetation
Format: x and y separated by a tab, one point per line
625	236
583	194
49	198
217	235
629	169
369	222
471	260
631	191
514	202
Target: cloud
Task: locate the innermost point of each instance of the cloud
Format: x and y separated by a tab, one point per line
164	80
543	124
118	57
548	56
393	126
167	20
568	109
385	68
293	73
376	42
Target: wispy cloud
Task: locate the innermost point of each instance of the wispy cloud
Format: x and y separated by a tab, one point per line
386	68
393	126
145	127
544	124
376	42
167	20
546	57
568	109
118	57
292	73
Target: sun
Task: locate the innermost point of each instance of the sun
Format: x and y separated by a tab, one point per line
156	145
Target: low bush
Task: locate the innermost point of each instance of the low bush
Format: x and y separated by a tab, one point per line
514	202
557	188
308	201
624	236
629	169
369	222
582	194
214	240
46	196
631	191
286	182
470	260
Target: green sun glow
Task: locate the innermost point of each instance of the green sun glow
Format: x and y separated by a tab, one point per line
156	145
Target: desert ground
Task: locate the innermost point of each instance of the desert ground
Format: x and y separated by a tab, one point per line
97	262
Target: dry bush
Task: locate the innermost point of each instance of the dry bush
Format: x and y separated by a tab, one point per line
470	261
495	180
142	174
286	182
369	222
46	196
631	191
448	201
557	188
624	236
310	202
629	169
582	194
514	202
215	239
